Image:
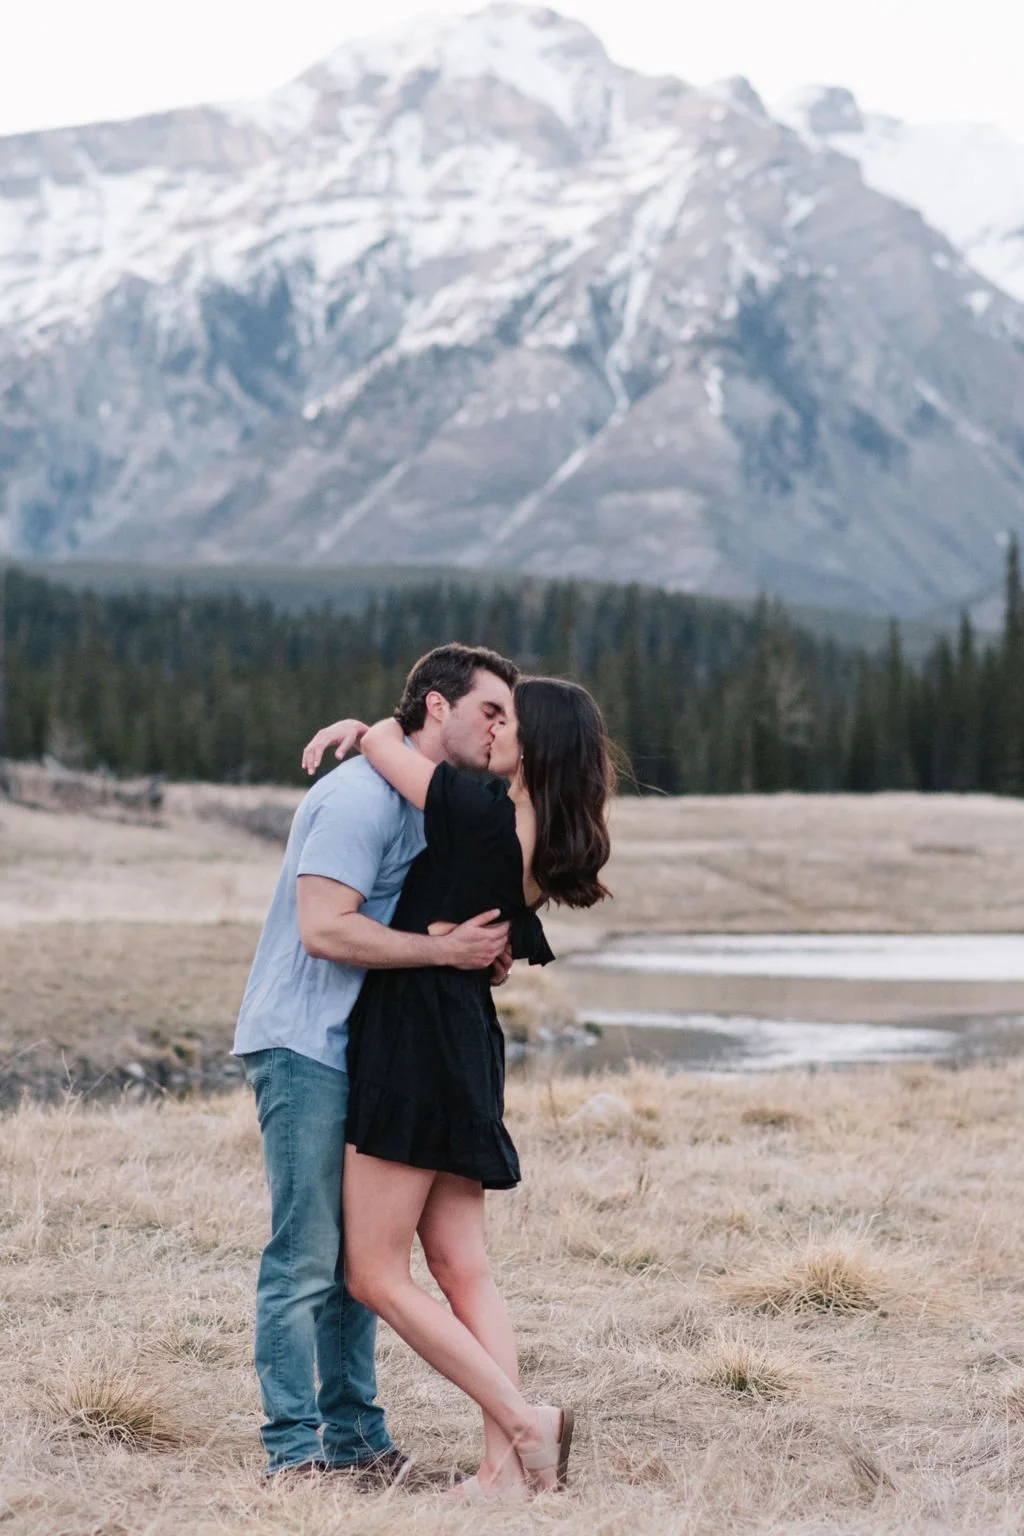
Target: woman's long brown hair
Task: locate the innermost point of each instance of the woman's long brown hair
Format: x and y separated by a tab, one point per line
569	776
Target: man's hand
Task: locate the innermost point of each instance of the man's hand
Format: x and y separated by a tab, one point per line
501	967
475	945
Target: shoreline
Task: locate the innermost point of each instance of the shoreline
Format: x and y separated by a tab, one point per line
125	941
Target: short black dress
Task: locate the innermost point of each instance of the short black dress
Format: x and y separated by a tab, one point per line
426	1054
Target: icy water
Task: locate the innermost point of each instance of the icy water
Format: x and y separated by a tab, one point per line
842	957
728	1003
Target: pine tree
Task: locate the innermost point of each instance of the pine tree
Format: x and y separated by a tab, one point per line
894	768
1009	724
968	741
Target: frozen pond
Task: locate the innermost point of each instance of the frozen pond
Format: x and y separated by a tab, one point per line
843	957
729	1002
734	1043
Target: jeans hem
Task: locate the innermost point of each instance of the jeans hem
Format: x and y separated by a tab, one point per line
274	1467
368	1451
358	1461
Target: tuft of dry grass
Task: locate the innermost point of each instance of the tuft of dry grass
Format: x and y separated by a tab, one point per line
771	1118
110	1401
870	1475
747	1369
203	1346
839	1278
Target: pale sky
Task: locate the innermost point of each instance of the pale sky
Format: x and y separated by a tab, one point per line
71	61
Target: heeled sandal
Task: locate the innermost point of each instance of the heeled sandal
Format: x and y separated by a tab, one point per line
552	1457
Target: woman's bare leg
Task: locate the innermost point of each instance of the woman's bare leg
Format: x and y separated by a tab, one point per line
383	1203
451	1230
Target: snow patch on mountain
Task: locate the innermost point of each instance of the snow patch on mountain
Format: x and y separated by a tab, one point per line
966	179
282	115
546	57
331	175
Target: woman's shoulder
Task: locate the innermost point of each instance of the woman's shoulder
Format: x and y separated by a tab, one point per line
472	778
464	790
467	811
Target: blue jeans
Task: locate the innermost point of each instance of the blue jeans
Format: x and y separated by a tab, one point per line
306	1322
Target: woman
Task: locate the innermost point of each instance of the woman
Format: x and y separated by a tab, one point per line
426	1051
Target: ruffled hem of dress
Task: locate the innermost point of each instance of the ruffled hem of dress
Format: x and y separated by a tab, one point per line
400	1129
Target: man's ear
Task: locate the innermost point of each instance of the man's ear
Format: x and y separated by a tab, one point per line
437	705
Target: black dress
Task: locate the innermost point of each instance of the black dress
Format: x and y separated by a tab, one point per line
426	1054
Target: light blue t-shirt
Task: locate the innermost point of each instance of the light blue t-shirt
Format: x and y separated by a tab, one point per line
354	828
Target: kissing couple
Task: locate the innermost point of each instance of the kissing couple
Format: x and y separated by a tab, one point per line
411	881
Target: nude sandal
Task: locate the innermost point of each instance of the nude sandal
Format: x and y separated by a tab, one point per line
556	1456
472	1491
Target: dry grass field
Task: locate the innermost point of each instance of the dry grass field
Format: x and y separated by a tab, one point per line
757	863
892	863
789	1305
793	1303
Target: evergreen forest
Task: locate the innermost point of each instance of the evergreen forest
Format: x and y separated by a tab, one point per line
701	696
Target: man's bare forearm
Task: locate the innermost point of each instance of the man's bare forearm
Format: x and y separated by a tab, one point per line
353	939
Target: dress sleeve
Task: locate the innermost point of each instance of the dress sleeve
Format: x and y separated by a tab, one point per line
458	806
529	941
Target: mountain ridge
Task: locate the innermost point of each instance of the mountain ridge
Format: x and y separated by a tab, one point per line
561	317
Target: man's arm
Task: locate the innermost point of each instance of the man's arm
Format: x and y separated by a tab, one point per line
332	927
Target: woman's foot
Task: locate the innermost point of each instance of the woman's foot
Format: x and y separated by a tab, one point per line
545	1454
507	1485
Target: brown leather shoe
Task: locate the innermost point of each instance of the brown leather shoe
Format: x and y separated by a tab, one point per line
393	1469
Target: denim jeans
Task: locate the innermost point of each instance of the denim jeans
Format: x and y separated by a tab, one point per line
306	1322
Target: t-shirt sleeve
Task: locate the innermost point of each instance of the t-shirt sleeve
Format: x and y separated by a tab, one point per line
458	806
348	837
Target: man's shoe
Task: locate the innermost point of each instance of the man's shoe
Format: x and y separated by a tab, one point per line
392	1468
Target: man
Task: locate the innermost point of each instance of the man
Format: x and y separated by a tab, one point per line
351	844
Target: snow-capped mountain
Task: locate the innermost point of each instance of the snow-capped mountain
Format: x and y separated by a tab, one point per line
475	294
966	179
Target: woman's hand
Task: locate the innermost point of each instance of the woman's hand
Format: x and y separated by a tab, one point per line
344	736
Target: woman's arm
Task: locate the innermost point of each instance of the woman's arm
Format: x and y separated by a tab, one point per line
405	769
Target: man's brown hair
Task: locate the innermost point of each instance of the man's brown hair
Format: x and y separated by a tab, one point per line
448	670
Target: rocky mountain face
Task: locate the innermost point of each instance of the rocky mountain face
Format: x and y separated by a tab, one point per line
476	295
966	179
